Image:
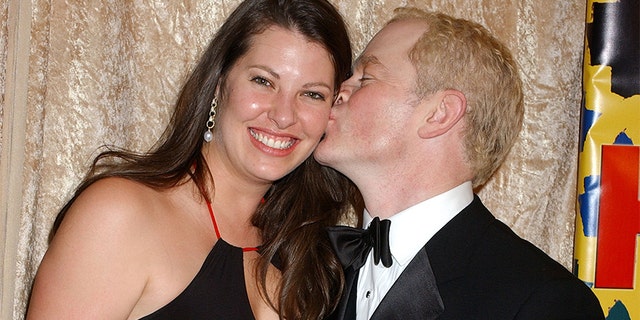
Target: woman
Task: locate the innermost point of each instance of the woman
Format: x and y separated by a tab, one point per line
195	228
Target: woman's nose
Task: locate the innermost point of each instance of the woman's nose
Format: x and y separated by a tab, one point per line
282	112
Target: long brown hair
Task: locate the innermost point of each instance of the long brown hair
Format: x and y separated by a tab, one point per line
300	205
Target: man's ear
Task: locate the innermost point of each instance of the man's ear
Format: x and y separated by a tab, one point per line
449	107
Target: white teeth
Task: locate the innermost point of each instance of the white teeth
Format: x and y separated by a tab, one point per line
270	142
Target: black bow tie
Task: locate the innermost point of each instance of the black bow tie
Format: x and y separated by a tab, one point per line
352	245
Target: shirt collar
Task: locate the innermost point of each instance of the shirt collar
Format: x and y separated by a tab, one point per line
412	228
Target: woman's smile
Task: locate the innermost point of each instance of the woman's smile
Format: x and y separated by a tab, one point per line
278	142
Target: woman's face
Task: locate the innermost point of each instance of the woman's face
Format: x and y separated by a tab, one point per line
275	106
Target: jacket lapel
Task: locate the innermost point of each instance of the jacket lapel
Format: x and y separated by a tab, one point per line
414	295
411	297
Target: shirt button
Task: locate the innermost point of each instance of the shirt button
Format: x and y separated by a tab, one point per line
368	294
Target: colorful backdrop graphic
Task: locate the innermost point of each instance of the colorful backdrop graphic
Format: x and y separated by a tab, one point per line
607	240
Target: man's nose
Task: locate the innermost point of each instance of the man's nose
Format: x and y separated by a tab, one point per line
343	94
339	99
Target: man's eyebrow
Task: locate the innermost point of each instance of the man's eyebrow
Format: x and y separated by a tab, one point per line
365	60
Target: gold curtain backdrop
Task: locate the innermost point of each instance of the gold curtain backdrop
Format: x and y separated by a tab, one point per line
80	74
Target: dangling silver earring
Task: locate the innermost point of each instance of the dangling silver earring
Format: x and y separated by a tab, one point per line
208	135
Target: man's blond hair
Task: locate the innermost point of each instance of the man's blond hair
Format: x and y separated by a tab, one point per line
462	55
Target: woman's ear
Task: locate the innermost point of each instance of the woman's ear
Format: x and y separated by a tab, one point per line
448	107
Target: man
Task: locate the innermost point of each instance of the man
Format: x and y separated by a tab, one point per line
432	109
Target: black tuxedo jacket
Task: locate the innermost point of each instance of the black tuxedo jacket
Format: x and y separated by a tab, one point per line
482	271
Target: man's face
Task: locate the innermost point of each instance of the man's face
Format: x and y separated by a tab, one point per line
373	121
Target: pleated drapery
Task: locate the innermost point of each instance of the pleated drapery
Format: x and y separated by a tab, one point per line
80	74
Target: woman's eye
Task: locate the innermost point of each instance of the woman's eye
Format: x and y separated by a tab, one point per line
315	96
261	81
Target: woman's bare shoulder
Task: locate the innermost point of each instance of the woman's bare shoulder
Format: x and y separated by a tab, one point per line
110	204
100	253
115	194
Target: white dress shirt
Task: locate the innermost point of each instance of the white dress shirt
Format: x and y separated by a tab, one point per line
410	230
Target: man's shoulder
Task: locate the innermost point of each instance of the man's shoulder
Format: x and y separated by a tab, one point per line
485	238
502	249
475	242
522	278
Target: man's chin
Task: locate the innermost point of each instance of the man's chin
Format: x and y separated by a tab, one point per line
323	153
